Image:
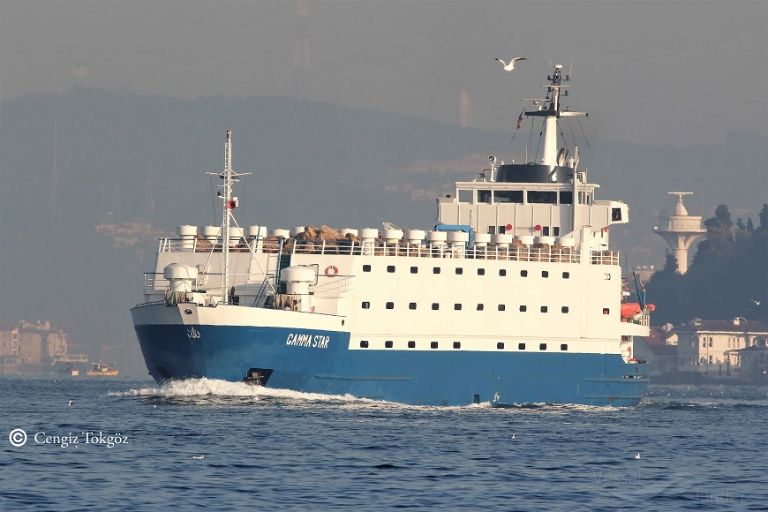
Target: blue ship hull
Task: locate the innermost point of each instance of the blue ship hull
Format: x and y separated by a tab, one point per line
407	376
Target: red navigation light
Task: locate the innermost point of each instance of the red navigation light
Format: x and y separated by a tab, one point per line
231	204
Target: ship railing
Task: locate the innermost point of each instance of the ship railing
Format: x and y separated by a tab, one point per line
334	285
605	257
543	253
643	319
156	281
204	245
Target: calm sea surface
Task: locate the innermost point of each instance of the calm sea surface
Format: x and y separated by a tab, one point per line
209	444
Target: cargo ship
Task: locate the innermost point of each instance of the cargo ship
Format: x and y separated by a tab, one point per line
513	297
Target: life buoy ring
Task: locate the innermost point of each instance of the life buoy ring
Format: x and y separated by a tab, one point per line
331	270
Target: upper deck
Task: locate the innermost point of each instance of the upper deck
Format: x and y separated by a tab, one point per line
514	251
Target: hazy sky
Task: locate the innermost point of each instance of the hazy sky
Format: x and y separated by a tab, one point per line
671	72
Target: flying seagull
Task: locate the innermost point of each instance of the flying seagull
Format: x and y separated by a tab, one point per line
757	302
509	66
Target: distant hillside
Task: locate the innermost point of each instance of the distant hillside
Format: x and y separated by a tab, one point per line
94	157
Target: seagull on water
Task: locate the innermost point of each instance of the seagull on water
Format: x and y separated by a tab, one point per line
198	457
509	66
69	404
637	456
513	435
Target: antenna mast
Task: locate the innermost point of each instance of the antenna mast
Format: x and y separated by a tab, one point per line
552	112
228	203
228	206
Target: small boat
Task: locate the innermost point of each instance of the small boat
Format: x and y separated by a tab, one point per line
103	370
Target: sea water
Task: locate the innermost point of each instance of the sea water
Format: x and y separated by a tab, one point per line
128	445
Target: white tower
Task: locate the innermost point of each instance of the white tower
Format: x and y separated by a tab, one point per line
680	230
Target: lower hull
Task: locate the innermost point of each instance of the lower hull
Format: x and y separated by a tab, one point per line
321	362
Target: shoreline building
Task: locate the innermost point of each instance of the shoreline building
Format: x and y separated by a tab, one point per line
29	347
680	230
714	347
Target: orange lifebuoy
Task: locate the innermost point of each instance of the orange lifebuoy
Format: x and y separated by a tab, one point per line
331	270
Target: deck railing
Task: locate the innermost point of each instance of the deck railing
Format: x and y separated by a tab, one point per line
541	253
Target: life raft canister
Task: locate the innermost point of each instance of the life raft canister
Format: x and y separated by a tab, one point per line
331	270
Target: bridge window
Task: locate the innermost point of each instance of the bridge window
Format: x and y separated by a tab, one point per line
556	231
566	197
465	196
483	196
509	196
388	344
615	214
545	231
542	197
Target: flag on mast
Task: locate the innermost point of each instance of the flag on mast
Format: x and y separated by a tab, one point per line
520	119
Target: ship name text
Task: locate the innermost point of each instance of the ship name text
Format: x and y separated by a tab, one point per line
308	340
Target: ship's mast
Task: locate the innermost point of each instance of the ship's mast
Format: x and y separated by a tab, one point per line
227	207
551	112
228	203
